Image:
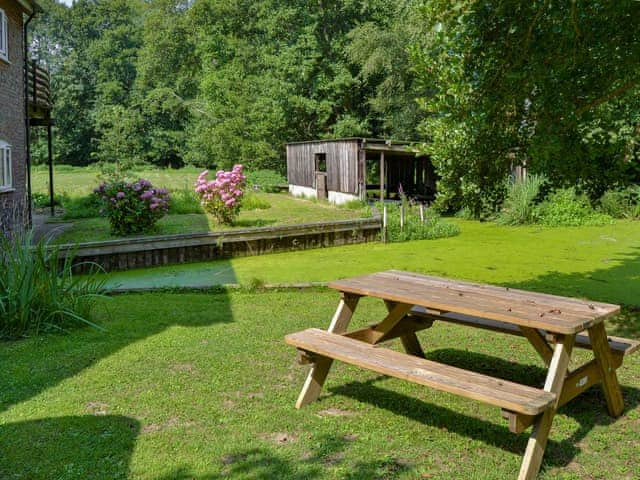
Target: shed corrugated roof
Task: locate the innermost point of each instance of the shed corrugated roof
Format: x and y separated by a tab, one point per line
360	139
370	144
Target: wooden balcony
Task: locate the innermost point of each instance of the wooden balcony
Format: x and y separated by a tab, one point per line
39	94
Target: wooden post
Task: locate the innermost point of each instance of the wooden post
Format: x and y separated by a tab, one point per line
34	90
318	373
50	155
602	354
384	224
554	384
383	178
362	174
421	213
409	340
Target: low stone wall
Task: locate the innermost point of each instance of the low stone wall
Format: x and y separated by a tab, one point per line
143	252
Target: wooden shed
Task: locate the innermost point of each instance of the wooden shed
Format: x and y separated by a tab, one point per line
345	169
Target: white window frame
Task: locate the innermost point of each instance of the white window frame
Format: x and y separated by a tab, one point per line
4	36
6	173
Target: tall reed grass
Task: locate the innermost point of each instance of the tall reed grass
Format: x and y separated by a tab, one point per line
412	227
519	207
38	291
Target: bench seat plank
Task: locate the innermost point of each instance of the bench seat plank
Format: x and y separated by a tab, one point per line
501	393
618	345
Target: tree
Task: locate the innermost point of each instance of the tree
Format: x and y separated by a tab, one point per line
167	80
380	49
550	84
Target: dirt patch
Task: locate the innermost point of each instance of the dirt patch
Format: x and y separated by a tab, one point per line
231	458
333	459
280	438
97	408
336	412
229	404
306	456
183	368
176	422
173	422
351	437
150	428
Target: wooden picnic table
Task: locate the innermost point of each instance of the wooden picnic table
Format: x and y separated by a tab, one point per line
552	324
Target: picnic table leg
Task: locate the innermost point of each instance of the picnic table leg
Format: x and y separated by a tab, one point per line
319	370
602	354
410	341
542	426
539	343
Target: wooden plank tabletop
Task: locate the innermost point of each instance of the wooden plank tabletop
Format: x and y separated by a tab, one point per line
552	313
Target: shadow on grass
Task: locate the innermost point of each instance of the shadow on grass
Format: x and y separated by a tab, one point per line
588	410
262	464
34	365
95	447
31	366
618	284
183	223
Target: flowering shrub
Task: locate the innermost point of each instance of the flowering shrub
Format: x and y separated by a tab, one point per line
132	207
222	197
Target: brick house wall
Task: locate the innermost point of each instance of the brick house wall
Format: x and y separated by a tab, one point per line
13	204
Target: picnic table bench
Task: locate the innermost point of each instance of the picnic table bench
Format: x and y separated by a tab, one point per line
552	324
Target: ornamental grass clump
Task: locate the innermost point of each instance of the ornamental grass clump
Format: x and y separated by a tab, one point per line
39	293
133	208
222	197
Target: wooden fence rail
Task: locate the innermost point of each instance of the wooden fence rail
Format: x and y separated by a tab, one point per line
38	88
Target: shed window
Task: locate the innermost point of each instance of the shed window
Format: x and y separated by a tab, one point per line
321	162
4	36
6	178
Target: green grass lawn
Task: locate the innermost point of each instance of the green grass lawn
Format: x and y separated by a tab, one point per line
602	263
284	210
202	386
77	181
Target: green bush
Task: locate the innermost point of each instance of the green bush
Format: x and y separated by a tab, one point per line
519	207
565	208
184	201
42	200
254	202
266	180
133	208
622	203
413	228
354	205
87	206
465	213
38	292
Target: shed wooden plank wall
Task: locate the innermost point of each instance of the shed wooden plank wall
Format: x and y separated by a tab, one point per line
342	164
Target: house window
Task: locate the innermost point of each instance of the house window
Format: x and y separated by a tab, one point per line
4	36
6	178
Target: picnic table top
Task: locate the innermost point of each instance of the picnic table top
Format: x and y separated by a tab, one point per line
555	314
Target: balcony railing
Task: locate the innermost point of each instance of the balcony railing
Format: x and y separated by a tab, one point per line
38	91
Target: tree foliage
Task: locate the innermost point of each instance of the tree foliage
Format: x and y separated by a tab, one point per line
553	85
486	85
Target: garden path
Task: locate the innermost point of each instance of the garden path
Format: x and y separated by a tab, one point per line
43	229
